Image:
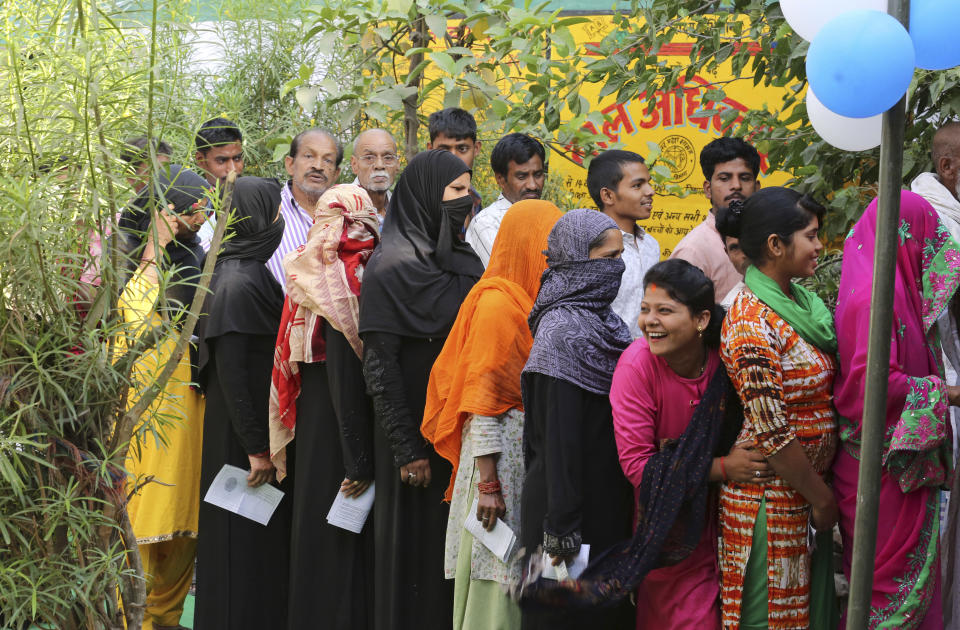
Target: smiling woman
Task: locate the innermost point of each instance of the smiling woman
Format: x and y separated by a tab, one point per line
778	346
675	431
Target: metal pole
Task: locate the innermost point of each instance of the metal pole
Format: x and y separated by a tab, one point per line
878	355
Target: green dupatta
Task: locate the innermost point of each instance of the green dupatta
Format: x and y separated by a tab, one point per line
806	312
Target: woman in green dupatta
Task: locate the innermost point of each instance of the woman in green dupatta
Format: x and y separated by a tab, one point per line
778	347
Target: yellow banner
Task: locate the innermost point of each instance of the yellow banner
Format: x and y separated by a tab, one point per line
679	126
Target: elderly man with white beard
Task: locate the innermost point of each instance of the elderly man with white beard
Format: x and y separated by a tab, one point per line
375	164
942	190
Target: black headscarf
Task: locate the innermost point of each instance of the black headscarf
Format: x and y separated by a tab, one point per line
245	296
421	271
186	190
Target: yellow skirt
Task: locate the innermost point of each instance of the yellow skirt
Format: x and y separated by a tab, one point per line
168	506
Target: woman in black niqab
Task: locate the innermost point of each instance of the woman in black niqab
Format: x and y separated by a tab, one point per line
412	290
420	273
242	566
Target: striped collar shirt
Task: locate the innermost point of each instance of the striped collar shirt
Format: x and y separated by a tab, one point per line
297	223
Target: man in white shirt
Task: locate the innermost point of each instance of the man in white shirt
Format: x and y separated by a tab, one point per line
375	163
518	166
619	183
313	165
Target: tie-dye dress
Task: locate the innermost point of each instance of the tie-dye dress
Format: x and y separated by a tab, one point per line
786	385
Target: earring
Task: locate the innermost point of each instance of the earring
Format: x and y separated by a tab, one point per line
699	331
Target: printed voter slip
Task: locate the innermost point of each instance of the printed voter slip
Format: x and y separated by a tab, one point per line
351	513
500	540
230	491
563	572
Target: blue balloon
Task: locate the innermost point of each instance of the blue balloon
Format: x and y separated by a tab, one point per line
861	63
935	30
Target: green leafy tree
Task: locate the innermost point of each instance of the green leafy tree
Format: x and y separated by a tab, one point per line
498	60
519	69
77	80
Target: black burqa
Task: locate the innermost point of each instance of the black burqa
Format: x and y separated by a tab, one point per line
242	566
183	257
412	290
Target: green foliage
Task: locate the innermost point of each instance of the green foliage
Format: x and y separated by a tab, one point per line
518	69
73	83
762	48
499	61
76	82
237	66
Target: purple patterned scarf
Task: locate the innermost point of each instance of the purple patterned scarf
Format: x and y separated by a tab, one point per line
576	335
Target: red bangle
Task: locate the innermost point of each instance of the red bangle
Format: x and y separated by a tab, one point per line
723	471
488	487
266	453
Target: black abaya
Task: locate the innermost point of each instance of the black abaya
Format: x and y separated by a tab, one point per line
242	566
574	487
331	569
410	523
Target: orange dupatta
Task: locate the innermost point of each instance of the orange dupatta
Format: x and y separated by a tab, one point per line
478	370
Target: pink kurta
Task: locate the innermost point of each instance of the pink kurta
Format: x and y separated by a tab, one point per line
651	403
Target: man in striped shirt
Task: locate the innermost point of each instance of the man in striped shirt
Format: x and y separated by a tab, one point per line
313	165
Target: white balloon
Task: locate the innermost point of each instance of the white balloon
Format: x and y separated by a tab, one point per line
806	17
849	134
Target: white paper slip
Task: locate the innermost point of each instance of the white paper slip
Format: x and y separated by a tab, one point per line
500	540
573	570
350	514
230	491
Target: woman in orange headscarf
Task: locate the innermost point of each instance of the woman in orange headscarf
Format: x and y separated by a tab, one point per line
474	413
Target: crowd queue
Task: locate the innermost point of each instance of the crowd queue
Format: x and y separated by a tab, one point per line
695	421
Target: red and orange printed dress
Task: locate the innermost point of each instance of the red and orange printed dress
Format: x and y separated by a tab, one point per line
786	386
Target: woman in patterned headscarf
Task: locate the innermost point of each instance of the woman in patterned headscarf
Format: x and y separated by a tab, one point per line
575	491
318	392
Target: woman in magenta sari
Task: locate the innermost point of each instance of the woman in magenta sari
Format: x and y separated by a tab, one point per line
916	453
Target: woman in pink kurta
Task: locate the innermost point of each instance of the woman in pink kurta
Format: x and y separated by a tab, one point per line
658	383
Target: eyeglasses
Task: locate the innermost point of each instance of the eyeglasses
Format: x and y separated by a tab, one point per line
371	159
